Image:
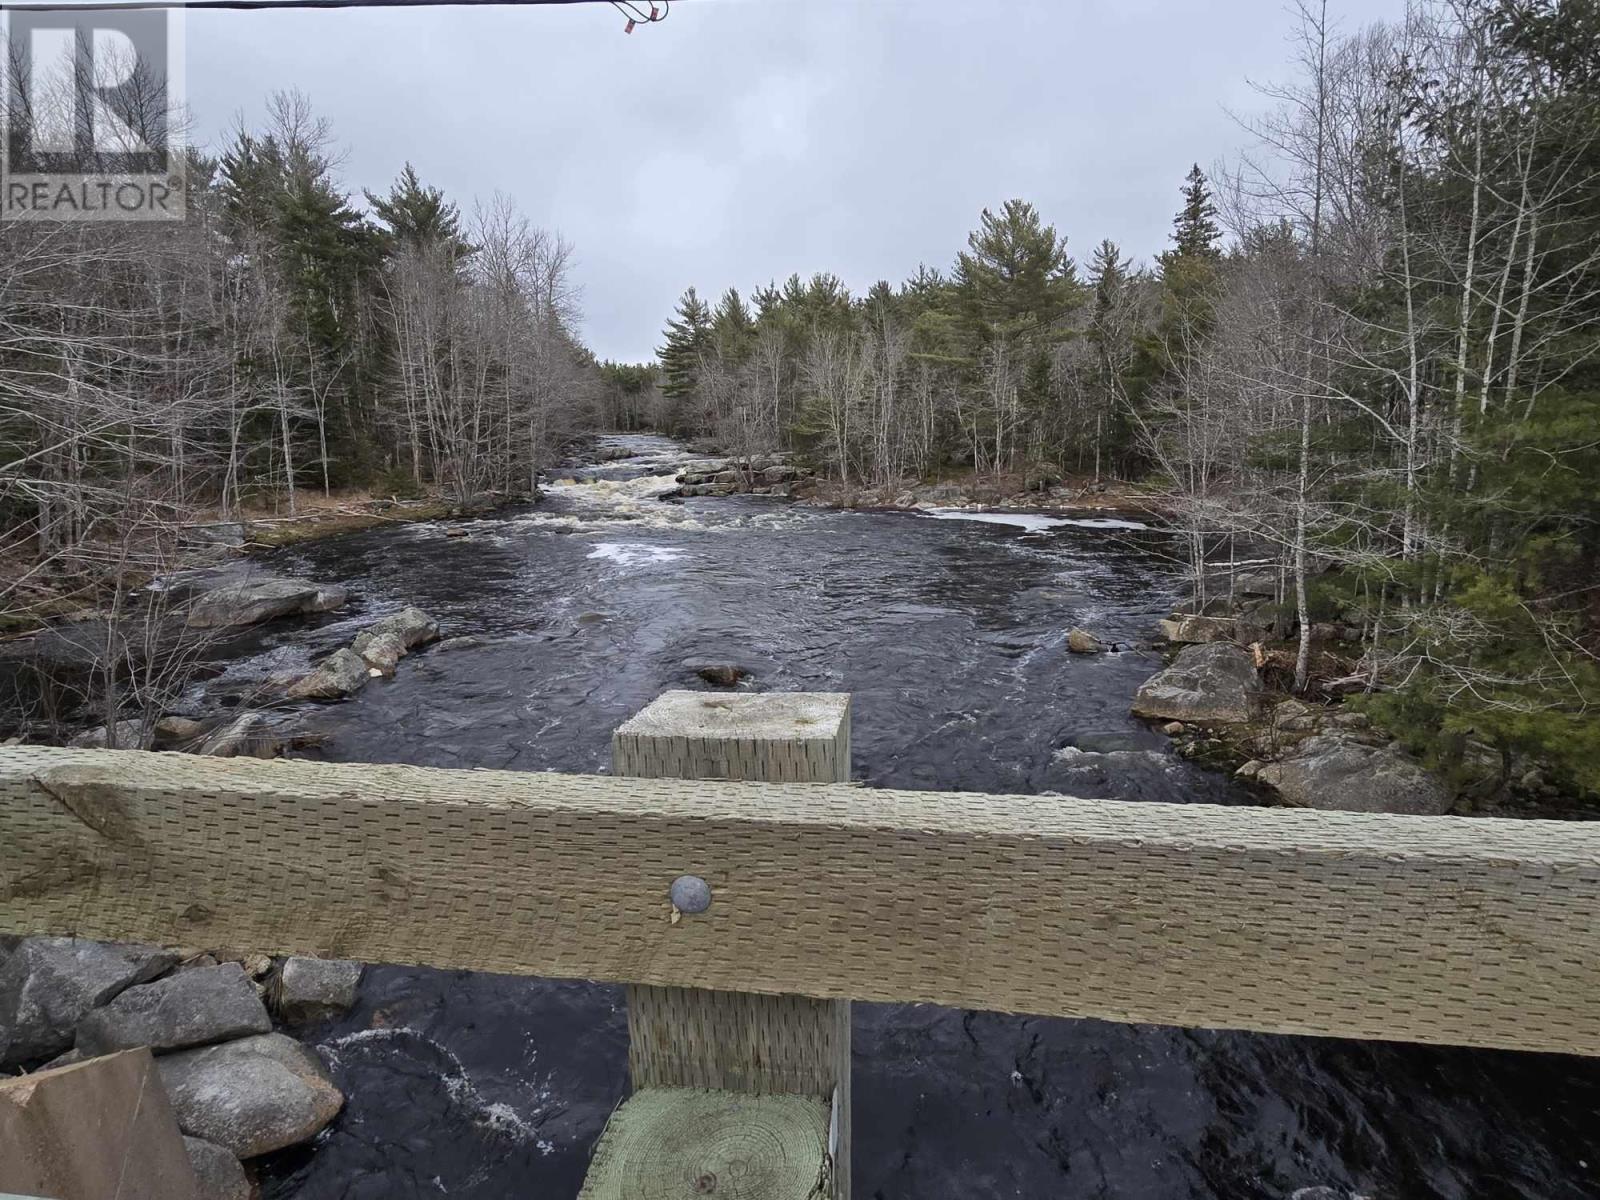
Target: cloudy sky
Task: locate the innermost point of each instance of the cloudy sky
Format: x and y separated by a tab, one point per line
742	140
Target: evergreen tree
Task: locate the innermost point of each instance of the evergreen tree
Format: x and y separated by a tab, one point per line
1015	275
732	328
1194	229
419	216
688	336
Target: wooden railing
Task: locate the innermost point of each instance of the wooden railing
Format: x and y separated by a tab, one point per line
1444	930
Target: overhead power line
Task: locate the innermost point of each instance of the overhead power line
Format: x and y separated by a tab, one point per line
636	13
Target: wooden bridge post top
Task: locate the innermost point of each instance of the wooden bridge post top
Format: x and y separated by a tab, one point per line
773	737
764	716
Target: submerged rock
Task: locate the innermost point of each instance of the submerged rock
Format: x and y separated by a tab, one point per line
192	1008
341	674
261	600
1332	772
221	1175
49	984
314	989
724	675
252	1096
1210	683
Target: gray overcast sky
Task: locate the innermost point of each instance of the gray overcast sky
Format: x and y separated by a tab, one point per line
742	140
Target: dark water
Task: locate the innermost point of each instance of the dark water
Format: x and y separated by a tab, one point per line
951	636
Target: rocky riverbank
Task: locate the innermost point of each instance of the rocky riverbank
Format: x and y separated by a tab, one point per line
1222	699
184	636
787	476
223	1028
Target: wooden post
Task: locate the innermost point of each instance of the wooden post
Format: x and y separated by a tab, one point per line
772	1073
94	1130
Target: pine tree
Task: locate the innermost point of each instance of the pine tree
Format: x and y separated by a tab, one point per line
732	328
419	216
1194	229
1015	275
688	336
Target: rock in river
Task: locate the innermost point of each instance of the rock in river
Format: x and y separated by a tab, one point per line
382	653
1332	772
724	675
314	989
411	627
252	1096
1081	641
262	600
192	1008
220	1175
49	984
249	735
1211	683
341	674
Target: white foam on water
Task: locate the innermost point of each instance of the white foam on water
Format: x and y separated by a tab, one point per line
496	1115
1031	521
635	554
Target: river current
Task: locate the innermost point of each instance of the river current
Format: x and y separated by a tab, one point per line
949	629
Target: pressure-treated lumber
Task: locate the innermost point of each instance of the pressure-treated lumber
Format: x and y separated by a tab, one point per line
740	1042
678	1144
95	1130
769	737
1426	929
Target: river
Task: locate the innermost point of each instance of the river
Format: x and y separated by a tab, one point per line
949	630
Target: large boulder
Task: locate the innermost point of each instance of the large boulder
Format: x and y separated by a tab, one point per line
1332	772
1259	583
314	989
341	674
48	985
249	735
1081	641
382	653
220	1174
1214	683
261	600
192	1008
252	1096
411	627
1193	630
130	736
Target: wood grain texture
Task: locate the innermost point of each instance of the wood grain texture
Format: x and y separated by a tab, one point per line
743	1041
772	737
95	1130
681	1144
1427	929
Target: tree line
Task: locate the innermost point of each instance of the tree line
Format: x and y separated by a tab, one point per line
1372	348
289	336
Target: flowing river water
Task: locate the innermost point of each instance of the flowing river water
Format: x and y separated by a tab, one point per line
949	630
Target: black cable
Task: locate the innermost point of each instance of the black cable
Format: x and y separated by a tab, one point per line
636	15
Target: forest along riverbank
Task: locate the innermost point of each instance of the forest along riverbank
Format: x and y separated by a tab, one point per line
950	631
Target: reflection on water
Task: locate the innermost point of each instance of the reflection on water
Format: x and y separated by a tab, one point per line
950	632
